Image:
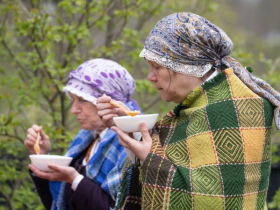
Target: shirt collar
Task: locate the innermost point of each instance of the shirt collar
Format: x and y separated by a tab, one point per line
101	134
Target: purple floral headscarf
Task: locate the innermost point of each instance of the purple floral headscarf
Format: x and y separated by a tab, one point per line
95	77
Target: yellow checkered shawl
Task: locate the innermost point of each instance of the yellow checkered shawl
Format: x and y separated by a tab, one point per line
214	153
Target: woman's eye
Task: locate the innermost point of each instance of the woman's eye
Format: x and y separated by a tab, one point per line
82	100
156	67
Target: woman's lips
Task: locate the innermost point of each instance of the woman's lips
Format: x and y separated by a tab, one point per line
80	120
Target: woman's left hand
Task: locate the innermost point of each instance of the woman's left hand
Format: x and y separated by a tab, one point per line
106	111
60	173
140	148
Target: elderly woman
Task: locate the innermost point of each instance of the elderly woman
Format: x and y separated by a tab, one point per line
213	150
94	175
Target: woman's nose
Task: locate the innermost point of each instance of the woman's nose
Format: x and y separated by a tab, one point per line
151	76
75	108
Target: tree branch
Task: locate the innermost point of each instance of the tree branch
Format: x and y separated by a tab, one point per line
194	5
147	16
62	112
8	200
24	9
71	47
275	64
10	51
12	136
53	98
123	24
83	16
17	62
152	103
3	23
107	9
17	183
43	62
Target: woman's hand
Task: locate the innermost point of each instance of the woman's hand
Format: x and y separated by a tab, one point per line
60	173
44	143
140	148
106	111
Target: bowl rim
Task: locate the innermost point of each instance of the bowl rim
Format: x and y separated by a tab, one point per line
43	156
137	116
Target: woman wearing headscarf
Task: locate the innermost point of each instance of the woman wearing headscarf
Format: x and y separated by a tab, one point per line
212	151
93	177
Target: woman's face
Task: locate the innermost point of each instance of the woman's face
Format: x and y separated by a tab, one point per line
171	85
86	113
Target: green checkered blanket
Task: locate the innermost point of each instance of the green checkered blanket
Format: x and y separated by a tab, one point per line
211	152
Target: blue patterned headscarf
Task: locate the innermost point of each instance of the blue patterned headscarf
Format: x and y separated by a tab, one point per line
190	44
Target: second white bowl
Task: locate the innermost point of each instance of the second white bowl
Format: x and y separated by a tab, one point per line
41	161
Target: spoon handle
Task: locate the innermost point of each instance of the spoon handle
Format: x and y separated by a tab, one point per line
36	145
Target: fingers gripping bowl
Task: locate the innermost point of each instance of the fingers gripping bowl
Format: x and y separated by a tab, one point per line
131	124
41	161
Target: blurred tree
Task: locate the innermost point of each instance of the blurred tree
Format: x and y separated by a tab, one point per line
40	43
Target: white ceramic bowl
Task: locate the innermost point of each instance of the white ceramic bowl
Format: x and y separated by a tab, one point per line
131	124
42	161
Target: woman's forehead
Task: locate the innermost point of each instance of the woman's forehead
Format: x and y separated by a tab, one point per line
152	62
74	96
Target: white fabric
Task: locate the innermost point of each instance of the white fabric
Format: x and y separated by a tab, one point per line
137	136
215	73
77	181
87	97
189	70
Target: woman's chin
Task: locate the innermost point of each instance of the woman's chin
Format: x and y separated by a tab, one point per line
165	98
84	126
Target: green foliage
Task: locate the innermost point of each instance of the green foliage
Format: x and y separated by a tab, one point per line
249	69
275	204
41	42
275	154
273	77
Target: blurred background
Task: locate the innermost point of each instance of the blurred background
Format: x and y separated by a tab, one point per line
42	41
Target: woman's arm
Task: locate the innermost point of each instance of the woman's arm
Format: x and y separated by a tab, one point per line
42	187
89	195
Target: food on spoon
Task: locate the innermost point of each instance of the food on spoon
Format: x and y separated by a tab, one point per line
133	113
125	109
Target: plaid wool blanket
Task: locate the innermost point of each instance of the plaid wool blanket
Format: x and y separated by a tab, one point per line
104	167
211	152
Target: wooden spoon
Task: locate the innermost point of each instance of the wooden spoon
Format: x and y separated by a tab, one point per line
36	145
125	109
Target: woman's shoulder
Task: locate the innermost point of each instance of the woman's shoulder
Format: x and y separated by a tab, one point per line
226	85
